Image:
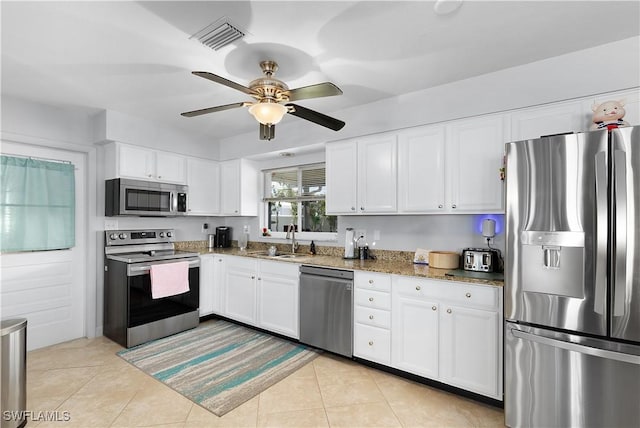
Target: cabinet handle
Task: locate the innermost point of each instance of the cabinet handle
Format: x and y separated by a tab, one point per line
371	299
454	206
449	310
253	277
219	260
149	175
371	343
440	206
353	208
418	288
370	317
434	307
468	295
371	281
159	176
259	279
361	208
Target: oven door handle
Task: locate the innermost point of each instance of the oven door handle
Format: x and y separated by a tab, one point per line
144	269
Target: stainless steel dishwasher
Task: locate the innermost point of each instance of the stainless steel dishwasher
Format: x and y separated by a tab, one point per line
326	309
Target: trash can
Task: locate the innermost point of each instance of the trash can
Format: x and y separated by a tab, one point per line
14	375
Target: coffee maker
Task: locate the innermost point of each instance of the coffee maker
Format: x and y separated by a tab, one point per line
223	236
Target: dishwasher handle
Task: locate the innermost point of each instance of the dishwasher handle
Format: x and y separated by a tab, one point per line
346	275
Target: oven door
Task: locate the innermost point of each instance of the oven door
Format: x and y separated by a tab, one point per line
143	309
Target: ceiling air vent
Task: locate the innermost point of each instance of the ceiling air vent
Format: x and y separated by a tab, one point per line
219	34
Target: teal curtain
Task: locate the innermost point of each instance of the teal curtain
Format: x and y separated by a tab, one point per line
37	205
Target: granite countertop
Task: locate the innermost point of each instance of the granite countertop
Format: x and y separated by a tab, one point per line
395	266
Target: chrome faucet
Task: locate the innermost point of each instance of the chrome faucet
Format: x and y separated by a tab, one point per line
291	230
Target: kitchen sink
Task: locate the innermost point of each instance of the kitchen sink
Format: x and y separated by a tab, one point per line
277	256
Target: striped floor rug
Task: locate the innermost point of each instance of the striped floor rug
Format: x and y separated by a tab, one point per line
219	365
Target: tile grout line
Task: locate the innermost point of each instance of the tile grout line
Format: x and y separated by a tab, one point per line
324	406
388	403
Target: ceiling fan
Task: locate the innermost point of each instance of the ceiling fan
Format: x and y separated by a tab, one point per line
273	99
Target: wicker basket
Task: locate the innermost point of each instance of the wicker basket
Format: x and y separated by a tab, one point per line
444	259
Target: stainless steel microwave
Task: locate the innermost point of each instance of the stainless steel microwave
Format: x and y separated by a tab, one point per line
144	198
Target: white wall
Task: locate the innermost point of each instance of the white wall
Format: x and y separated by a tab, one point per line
607	68
115	126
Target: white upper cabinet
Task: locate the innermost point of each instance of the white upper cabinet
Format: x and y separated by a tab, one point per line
362	175
203	179
475	154
342	177
548	120
377	174
421	170
238	188
126	161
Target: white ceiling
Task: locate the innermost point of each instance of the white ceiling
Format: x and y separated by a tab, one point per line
136	57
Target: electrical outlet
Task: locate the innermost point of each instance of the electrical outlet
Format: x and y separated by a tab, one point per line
205	228
376	235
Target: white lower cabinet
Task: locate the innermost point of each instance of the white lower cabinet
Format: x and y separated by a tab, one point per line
448	331
262	293
278	291
372	316
415	336
211	277
468	349
239	296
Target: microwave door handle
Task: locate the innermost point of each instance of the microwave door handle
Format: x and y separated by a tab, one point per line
173	201
600	280
620	252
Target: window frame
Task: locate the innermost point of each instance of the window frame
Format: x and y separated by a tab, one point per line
264	218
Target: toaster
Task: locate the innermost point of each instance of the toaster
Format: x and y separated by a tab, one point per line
480	260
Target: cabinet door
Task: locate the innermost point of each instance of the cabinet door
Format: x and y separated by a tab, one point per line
278	287
469	349
421	170
414	336
171	168
230	187
547	120
377	175
203	179
206	284
474	160
240	290
341	176
134	162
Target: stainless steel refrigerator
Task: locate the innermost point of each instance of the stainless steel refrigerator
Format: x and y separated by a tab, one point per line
572	280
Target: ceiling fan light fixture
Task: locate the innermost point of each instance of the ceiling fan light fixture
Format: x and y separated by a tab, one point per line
268	113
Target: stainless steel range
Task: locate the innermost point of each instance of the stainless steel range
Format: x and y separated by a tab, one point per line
131	314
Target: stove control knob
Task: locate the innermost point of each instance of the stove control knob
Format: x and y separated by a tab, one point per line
169	234
162	234
123	236
113	236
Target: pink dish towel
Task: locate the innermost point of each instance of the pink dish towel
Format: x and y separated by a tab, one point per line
169	279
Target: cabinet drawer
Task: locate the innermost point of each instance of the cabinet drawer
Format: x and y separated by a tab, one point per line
374	317
471	295
373	299
415	287
291	270
372	343
373	281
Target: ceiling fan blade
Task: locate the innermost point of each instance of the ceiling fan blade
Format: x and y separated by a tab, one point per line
267	132
212	109
315	117
326	89
223	81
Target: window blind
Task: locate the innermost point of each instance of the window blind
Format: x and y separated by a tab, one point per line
37	204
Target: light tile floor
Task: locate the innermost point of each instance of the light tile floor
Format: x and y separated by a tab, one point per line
85	378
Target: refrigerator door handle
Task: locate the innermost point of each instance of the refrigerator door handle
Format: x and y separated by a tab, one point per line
601	233
570	346
620	255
